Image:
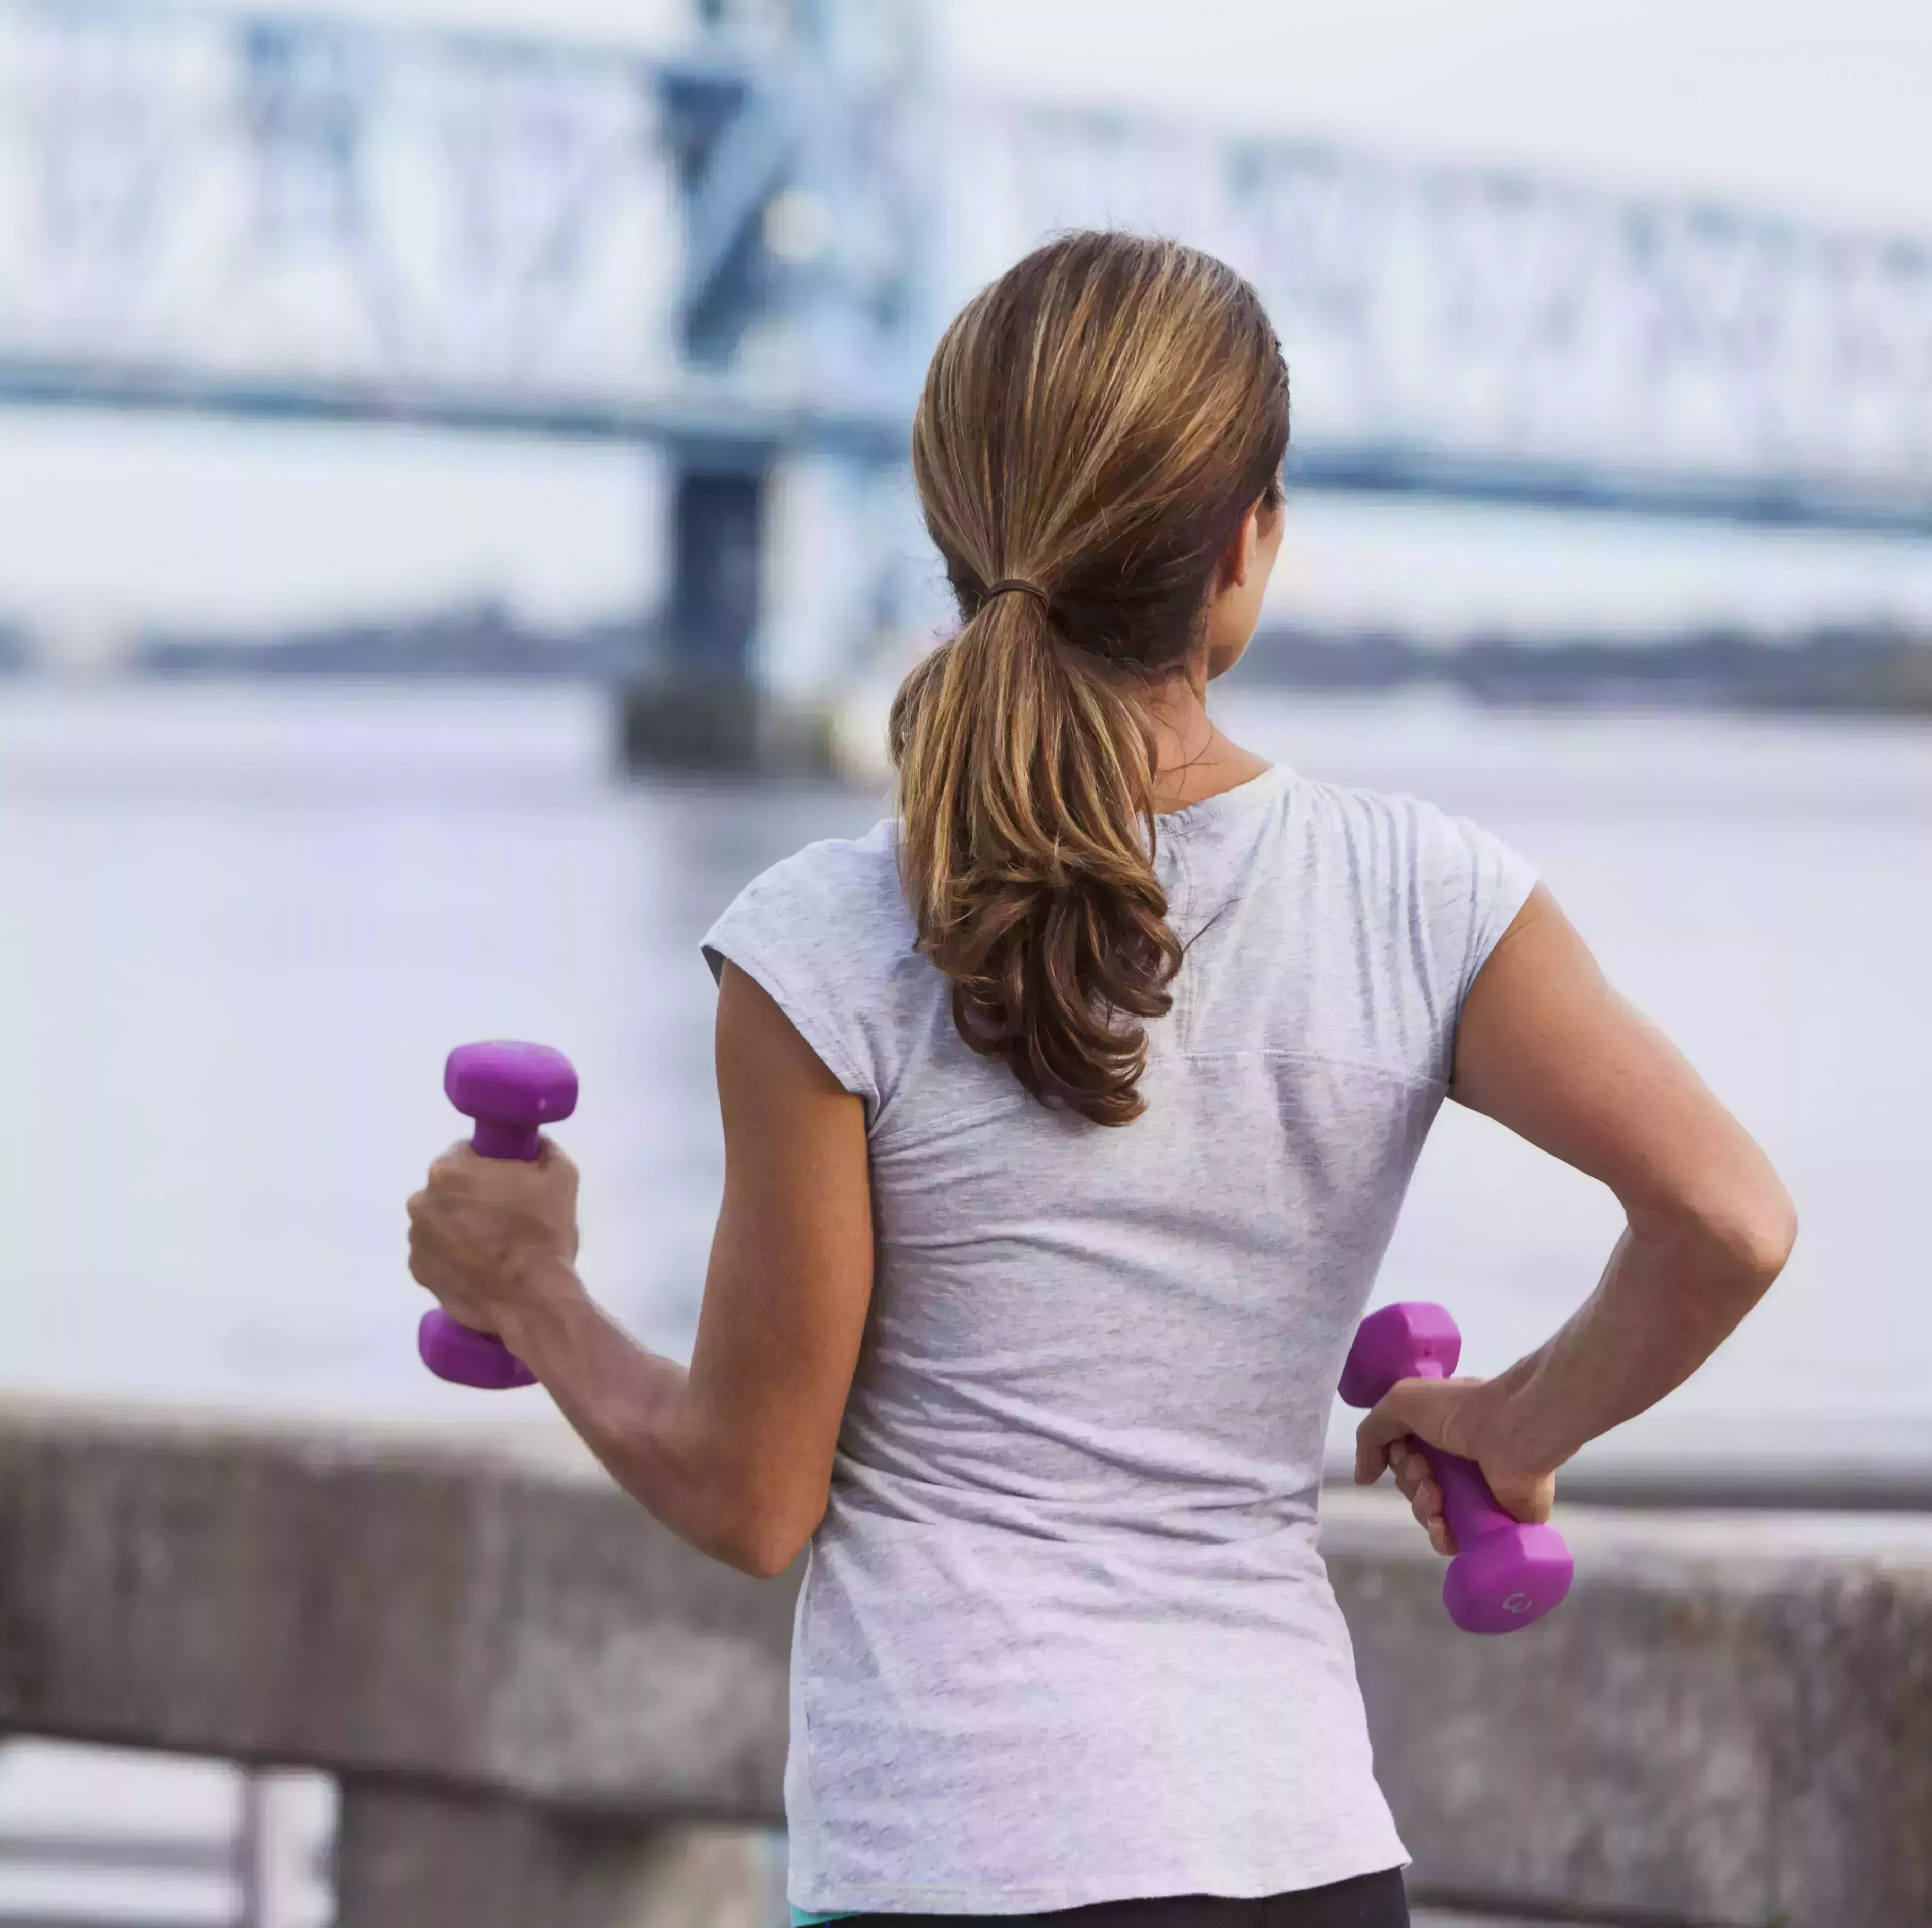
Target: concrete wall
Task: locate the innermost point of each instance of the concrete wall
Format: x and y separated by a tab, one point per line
484	1612
1728	1721
528	1689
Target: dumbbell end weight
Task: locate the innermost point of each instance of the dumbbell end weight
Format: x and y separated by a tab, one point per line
466	1358
1508	1580
1506	1573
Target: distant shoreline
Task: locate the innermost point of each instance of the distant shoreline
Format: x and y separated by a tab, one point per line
1857	672
1872	670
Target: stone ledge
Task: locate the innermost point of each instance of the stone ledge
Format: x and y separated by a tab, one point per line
482	1612
1729	1722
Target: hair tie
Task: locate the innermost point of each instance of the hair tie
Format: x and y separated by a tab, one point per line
1009	583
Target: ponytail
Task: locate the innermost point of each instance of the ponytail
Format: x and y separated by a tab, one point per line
1026	788
1102	417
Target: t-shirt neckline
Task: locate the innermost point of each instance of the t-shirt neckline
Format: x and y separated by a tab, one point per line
1235	798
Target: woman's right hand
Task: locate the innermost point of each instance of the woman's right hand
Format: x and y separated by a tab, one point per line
1452	1416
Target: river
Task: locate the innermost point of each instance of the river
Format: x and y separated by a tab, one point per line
244	923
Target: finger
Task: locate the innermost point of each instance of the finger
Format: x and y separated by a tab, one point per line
1385	1427
1426	1504
1412	1475
444	1285
1529	1499
1439	1537
445	1169
428	1265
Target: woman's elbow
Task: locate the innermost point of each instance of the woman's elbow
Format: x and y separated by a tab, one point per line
763	1542
762	1559
1775	1234
1750	1234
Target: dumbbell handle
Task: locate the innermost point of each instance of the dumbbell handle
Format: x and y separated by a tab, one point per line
1468	1504
492	1138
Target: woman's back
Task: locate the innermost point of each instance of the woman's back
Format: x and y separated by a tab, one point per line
1073	1505
1065	1127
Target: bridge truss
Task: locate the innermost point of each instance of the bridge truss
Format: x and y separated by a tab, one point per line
743	250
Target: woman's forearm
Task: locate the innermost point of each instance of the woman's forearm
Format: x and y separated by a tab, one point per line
1672	1293
633	1408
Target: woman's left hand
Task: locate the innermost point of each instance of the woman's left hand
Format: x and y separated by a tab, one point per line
488	1236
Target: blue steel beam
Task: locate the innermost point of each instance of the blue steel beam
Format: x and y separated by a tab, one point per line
1749	501
738	431
723	436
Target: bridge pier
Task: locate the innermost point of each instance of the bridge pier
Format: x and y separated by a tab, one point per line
699	707
775	582
410	1856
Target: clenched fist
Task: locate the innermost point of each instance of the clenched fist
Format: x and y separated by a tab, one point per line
490	1236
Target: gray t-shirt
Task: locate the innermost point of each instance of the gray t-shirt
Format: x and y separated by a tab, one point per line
1065	1635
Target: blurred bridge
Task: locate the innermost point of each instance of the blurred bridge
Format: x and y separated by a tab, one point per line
741	249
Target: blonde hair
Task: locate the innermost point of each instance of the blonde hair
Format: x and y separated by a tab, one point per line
1093	428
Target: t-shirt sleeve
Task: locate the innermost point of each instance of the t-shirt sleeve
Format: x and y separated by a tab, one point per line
786	930
1469	886
1500	881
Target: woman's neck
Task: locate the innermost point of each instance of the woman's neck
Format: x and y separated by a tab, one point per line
1192	759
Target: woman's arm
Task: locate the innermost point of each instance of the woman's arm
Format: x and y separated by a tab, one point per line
1546	1047
733	1454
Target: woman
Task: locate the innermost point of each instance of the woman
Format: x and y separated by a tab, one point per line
1066	1119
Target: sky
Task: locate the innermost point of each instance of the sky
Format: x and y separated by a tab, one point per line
1811	108
1814	106
1808	106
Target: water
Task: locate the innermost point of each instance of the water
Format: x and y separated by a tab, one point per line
245	924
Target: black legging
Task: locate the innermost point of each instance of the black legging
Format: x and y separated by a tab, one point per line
1368	1901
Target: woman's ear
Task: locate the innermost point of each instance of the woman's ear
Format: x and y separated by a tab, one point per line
1238	560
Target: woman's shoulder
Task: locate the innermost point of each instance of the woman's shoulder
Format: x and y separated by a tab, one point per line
1390	836
1400	814
1438	888
853	880
833	911
822	931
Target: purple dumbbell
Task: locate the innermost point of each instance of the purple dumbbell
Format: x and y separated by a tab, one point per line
1505	1573
511	1090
